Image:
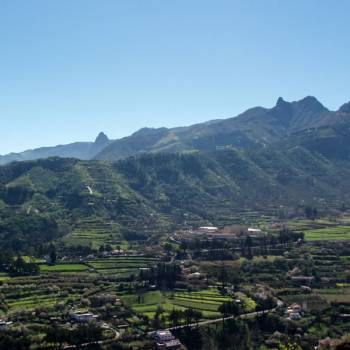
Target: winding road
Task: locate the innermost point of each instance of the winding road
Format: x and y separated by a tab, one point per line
100	342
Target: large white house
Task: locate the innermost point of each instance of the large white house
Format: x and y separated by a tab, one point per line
4	324
166	341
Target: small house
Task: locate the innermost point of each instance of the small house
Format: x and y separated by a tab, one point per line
4	325
303	279
294	312
83	317
166	341
195	275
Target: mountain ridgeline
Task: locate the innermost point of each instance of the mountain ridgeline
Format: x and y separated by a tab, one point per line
79	150
252	129
257	127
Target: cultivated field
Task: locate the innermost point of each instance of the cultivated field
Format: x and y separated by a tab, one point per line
206	301
123	266
63	268
328	233
94	233
41	292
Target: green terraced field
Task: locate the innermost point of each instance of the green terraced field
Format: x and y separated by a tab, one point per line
31	292
119	264
63	268
120	273
122	266
340	294
35	301
328	233
206	301
95	233
4	276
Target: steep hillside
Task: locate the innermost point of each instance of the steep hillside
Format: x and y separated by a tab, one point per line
155	192
332	141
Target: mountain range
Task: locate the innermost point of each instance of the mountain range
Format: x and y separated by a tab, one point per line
79	150
255	128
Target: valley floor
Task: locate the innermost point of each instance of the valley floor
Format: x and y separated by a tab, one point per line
300	289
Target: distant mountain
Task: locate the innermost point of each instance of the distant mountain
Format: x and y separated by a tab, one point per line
100	143
255	128
79	150
143	141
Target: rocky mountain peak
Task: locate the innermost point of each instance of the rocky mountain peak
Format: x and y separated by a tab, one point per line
101	139
345	108
311	103
283	110
281	102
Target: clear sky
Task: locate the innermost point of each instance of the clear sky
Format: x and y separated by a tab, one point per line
72	68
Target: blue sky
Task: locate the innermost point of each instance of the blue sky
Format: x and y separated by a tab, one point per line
69	69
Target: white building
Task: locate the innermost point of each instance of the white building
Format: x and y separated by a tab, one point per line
195	275
83	317
254	231
294	312
166	341
162	336
4	324
207	229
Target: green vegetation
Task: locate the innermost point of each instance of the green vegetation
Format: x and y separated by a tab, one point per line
136	198
94	233
328	233
157	291
122	266
206	301
63	268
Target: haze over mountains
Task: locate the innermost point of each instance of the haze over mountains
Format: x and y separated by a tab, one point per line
79	150
257	127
